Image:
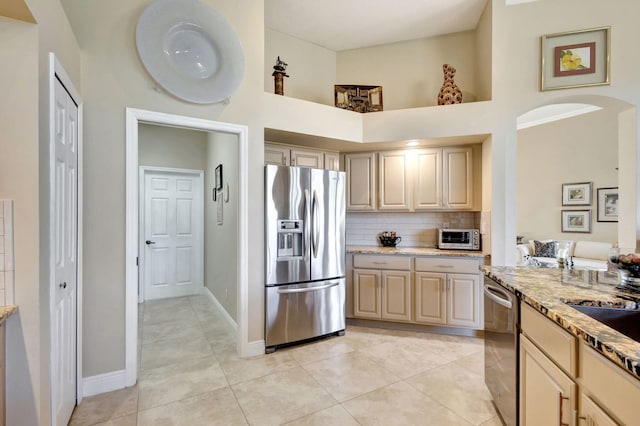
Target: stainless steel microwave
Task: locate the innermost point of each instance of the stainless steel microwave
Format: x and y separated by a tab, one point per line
459	239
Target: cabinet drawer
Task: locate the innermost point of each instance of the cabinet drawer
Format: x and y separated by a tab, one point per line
559	344
607	383
382	262
447	264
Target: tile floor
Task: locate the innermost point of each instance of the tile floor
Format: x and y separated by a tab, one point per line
190	375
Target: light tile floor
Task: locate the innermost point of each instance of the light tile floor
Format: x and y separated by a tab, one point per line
190	375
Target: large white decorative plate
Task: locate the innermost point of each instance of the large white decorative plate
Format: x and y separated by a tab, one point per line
190	50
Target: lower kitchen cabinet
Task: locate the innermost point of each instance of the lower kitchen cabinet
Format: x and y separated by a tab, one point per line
547	394
448	299
382	294
554	390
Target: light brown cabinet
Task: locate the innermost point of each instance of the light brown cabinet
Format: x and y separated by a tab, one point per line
361	181
448	299
457	178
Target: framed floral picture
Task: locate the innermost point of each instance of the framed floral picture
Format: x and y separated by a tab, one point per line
575	59
576	194
607	204
576	221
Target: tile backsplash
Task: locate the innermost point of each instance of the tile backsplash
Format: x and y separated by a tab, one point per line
6	253
416	229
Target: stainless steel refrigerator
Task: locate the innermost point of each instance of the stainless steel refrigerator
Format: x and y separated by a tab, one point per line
305	252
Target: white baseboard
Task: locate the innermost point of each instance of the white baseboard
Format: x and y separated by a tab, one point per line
221	308
255	348
103	383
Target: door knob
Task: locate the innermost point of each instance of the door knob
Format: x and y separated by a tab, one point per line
150	242
63	285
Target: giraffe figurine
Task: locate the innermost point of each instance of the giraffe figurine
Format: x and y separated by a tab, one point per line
449	92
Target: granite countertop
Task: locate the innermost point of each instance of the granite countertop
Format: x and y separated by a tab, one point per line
413	251
549	291
6	311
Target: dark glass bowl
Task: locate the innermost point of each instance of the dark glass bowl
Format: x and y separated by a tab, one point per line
389	241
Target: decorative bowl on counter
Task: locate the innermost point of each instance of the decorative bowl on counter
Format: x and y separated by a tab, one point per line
628	266
389	239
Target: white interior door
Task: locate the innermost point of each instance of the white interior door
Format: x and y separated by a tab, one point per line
173	242
64	293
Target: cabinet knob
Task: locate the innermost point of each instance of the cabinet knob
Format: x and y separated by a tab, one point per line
63	285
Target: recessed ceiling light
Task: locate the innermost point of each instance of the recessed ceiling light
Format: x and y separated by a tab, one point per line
413	143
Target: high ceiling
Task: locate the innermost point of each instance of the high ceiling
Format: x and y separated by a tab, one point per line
350	24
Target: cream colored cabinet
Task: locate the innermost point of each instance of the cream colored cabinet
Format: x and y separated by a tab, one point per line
592	415
451	299
332	161
555	372
430	299
547	395
428	179
394	173
286	155
458	177
307	158
384	292
277	154
361	181
448	291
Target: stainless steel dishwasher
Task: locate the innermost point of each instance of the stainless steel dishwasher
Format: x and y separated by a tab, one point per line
501	347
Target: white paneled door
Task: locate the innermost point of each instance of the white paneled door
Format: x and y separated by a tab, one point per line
64	293
172	237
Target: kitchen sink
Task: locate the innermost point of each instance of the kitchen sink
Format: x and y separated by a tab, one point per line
625	321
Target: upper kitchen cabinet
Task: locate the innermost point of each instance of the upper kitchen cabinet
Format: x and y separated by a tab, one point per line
361	181
395	180
428	179
286	155
457	178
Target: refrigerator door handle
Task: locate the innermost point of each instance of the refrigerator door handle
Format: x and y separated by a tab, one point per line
314	224
308	289
307	223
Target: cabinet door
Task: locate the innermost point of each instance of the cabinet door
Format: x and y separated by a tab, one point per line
394	181
307	158
276	154
463	300
592	415
361	182
428	180
366	294
396	295
430	298
458	175
547	395
332	161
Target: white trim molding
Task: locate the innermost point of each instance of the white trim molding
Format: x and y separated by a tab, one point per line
133	118
102	383
232	323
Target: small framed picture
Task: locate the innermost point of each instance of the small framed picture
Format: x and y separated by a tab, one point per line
576	221
575	59
607	204
576	194
218	177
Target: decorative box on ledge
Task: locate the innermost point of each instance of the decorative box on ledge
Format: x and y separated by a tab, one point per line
358	98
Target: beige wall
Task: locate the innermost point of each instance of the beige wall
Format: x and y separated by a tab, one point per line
410	73
114	79
311	70
221	240
24	177
580	149
162	146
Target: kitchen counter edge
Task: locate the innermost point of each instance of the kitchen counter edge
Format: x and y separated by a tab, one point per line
414	251
6	312
534	288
